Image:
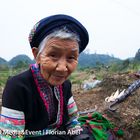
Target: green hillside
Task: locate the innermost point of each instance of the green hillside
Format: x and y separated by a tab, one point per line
92	60
2	61
20	60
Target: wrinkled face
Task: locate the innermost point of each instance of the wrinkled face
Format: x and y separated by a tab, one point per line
58	60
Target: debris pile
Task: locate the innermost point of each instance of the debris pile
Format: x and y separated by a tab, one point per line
127	116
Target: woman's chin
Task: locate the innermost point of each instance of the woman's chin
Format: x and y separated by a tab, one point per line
57	82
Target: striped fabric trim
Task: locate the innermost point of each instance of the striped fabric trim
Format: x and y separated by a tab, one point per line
11	113
73	116
71	100
12	124
72	108
73	111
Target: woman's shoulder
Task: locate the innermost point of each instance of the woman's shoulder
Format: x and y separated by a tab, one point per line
21	77
24	79
14	90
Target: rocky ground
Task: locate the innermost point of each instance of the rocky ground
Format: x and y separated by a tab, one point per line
127	116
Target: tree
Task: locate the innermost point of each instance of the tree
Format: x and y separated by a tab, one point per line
21	64
125	63
137	56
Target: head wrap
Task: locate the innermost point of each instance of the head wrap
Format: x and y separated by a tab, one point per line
47	25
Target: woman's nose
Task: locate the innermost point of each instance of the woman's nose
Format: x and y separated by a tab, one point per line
62	66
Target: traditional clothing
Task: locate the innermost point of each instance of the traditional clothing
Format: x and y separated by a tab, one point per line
30	104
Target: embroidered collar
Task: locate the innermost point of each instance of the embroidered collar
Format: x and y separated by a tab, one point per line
47	95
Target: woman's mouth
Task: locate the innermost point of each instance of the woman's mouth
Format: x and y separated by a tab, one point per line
59	77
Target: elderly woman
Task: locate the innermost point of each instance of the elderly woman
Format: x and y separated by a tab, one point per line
38	103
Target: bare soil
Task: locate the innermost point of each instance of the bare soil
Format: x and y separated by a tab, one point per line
127	116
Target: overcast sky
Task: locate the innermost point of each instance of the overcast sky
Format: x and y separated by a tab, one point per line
113	25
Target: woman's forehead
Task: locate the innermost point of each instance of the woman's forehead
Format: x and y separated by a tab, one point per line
60	44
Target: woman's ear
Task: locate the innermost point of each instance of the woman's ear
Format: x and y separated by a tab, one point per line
35	53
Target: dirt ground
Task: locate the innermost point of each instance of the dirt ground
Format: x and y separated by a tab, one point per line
127	116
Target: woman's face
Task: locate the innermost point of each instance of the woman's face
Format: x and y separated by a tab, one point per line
58	60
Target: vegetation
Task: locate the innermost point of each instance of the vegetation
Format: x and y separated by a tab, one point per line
99	63
95	60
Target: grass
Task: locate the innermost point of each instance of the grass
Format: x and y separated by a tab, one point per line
6	73
3	77
78	77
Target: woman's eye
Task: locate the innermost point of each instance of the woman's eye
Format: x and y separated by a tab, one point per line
72	58
53	55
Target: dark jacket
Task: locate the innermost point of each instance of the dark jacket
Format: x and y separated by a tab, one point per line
21	94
